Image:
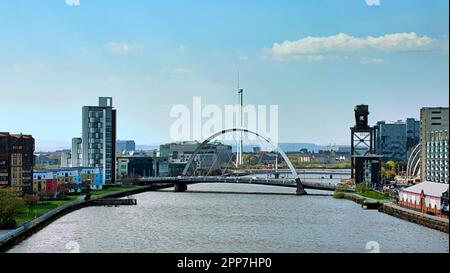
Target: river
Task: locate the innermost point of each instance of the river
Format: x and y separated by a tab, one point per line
201	221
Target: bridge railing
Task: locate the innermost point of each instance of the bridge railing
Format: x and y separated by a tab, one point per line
246	180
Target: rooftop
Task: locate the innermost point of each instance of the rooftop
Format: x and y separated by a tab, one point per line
429	188
15	135
68	169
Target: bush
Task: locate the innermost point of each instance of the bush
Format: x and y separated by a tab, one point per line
362	188
11	205
339	195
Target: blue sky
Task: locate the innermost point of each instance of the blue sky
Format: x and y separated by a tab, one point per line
315	59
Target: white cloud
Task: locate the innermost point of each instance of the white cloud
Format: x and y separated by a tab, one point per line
73	2
123	47
373	2
371	60
183	71
243	58
182	48
343	43
31	66
115	80
444	46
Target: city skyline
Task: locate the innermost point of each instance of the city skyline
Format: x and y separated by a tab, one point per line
220	132
159	54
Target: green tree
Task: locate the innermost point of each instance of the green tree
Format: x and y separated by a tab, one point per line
10	205
389	170
31	200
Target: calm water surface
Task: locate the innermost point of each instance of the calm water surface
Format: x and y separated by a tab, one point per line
219	222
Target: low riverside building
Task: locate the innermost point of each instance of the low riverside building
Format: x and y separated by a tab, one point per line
45	183
427	197
68	180
135	166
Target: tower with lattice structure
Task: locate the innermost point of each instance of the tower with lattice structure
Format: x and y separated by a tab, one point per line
365	165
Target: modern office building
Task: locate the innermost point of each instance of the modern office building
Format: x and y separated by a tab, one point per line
77	152
434	160
125	146
135	166
391	140
211	157
412	133
395	139
16	162
99	138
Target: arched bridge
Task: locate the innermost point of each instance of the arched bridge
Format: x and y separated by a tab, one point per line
299	185
180	183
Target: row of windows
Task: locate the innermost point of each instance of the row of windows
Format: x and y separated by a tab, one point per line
96	120
441	159
96	146
437	163
96	114
437	171
95	140
437	151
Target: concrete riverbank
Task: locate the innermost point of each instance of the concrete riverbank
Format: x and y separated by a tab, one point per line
400	212
14	237
423	219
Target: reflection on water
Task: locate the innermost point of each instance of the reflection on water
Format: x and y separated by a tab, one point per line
215	222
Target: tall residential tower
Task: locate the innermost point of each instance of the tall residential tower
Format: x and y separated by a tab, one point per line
99	138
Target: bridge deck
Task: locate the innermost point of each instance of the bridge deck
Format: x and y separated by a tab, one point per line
238	180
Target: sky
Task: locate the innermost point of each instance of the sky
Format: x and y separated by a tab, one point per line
315	59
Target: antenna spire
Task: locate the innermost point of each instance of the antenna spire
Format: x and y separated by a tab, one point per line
238	80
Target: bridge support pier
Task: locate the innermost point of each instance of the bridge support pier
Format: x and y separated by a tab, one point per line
180	187
300	189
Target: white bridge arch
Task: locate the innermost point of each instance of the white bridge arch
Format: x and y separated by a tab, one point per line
300	188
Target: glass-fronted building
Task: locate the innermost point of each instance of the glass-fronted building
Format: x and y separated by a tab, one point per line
395	139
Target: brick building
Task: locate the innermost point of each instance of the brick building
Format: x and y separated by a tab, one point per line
16	161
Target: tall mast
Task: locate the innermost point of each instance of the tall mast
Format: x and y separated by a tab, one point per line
241	92
240	160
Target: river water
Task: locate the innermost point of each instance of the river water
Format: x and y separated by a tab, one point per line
201	221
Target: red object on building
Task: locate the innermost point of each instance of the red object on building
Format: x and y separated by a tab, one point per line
52	186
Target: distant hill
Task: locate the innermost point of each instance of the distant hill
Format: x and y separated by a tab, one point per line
286	147
51	145
295	147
